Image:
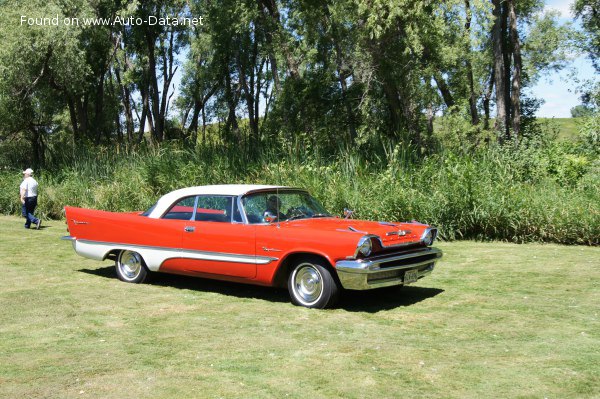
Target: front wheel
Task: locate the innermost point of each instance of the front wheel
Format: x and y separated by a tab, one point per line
130	267
311	284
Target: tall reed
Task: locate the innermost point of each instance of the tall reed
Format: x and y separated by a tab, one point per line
494	193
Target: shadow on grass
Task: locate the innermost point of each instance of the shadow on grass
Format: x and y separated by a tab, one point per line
371	301
203	284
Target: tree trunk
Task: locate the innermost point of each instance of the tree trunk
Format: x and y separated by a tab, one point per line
430	119
231	125
278	32
507	68
168	73
248	87
257	98
499	70
199	104
82	115
99	108
37	146
193	128
342	73
203	125
487	97
73	116
444	89
146	114
157	132
516	79
469	68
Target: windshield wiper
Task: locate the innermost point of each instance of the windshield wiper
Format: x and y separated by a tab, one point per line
296	217
304	216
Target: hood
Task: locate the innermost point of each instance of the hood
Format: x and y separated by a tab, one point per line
390	233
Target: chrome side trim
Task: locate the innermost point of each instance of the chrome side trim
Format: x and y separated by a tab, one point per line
354	274
68	238
155	256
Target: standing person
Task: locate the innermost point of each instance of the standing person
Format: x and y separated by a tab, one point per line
28	191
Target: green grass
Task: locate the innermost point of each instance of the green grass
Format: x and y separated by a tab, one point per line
493	320
567	128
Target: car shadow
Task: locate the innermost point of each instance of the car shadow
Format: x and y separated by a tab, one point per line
203	284
371	301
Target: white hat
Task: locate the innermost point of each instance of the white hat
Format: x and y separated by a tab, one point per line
28	171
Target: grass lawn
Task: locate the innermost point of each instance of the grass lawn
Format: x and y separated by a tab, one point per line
493	320
568	128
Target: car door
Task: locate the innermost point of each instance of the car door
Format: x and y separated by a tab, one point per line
217	241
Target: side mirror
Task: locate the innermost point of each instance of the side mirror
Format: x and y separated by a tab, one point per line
348	213
269	217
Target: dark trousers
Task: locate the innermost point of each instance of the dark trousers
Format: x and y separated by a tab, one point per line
28	209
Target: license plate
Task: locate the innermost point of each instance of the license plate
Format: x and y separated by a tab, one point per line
410	276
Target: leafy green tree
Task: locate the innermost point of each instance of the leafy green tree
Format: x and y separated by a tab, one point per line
39	66
589	12
581	111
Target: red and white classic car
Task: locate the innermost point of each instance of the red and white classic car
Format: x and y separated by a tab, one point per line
265	235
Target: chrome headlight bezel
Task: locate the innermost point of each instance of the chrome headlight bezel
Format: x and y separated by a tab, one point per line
428	236
364	247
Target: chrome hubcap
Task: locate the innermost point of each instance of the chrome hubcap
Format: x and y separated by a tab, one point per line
308	283
130	264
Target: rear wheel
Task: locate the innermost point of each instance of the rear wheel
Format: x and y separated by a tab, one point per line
311	284
130	267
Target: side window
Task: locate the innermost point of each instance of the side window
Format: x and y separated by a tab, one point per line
214	209
182	210
255	206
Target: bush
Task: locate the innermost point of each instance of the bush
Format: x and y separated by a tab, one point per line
532	193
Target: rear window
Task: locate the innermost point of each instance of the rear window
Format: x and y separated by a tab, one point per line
182	210
213	209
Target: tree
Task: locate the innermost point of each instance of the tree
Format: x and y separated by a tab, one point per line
589	12
581	111
40	66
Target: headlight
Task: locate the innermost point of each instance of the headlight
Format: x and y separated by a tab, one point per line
364	246
428	236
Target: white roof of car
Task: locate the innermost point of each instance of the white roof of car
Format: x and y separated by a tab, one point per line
219	189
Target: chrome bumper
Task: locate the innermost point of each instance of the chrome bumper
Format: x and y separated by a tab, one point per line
386	270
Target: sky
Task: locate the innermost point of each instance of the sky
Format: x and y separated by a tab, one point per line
557	90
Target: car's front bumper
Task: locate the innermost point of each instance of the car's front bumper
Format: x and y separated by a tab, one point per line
387	270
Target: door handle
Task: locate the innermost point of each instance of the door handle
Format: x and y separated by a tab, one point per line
189	229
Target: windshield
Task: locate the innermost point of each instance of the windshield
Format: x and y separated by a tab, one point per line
281	205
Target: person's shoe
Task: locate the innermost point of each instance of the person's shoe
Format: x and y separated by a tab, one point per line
39	223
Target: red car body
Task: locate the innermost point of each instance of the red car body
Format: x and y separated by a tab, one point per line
218	232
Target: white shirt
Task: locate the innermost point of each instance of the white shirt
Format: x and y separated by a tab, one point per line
30	186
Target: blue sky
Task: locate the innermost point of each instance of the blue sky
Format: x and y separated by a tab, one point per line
558	90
